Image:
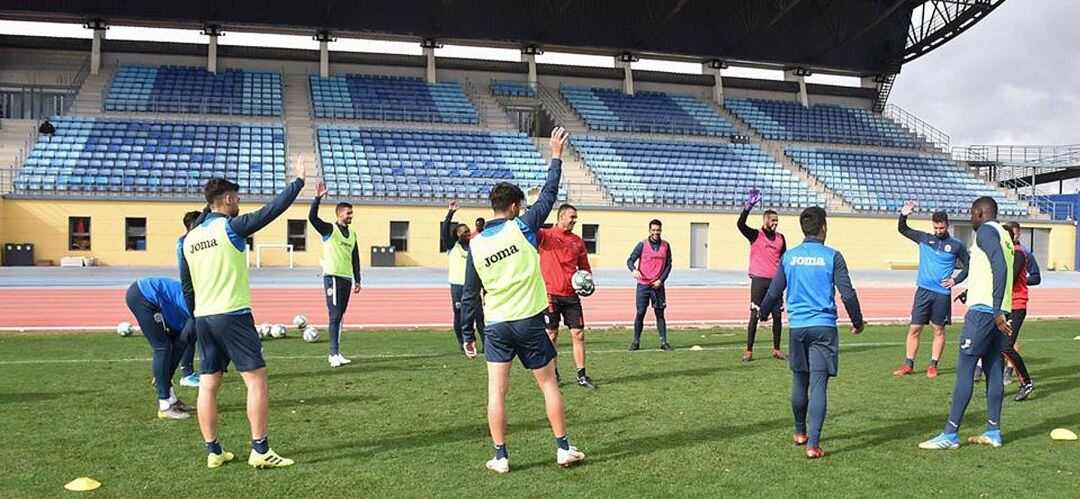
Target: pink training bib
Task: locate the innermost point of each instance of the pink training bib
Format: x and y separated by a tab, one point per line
652	262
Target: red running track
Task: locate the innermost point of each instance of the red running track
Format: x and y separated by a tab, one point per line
89	308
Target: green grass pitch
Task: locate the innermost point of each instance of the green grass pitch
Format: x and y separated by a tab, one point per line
407	418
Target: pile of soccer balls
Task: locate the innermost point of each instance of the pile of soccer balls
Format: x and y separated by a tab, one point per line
278	331
582	282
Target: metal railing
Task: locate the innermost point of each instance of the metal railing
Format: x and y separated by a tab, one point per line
917	126
995	164
1033	156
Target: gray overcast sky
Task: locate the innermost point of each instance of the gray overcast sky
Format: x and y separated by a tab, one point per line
1014	78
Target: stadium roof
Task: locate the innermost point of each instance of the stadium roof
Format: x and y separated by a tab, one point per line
862	37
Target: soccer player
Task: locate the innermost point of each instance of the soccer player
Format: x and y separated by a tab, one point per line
158	305
188	376
986	325
766	247
562	253
214	275
340	265
651	264
456	237
504	261
812	273
479	226
1026	273
939	254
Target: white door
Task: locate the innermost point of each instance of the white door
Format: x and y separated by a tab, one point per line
699	246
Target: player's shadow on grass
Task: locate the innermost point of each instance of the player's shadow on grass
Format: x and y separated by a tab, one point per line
659	375
19	397
1043	428
364	448
863	348
905	429
632	447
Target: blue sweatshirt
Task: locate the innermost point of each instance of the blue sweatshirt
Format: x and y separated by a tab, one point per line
812	273
937	257
167	295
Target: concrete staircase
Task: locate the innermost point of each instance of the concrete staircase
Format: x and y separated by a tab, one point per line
560	112
578	181
490	113
15	141
88	102
299	129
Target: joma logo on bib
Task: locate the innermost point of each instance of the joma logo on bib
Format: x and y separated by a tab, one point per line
501	254
201	245
813	261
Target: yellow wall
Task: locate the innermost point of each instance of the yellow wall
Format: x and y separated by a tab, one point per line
867	242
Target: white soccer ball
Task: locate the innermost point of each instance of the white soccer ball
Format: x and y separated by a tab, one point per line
125	329
277	332
582	282
264	331
311	333
300	321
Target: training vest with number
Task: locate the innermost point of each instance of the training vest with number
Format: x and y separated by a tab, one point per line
337	253
651	263
456	259
218	269
765	254
981	278
508	265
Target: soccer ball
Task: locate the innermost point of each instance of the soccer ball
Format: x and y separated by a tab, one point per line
125	329
300	321
264	331
311	334
582	282
277	331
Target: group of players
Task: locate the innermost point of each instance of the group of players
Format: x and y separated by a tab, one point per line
512	280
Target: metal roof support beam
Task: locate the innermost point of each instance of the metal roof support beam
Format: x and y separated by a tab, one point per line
713	68
623	61
324	38
213	31
429	46
528	56
99	27
799	75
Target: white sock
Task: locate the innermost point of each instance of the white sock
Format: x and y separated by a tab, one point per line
164	404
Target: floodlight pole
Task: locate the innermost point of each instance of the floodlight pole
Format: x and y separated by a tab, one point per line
623	61
528	56
324	38
213	31
429	46
713	68
799	75
99	27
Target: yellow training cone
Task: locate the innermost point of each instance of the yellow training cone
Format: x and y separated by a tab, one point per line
1062	434
696	348
83	484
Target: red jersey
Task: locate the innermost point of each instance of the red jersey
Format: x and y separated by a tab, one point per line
561	254
1020	287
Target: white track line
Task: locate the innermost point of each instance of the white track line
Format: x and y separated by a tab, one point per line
434	355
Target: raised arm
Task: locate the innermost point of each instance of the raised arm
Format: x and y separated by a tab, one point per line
540	210
250	223
446	232
752	199
324	229
902	226
842	281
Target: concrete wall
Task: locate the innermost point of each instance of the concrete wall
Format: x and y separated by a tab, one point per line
867	242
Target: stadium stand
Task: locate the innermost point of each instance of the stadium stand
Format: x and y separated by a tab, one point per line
393	98
90	155
187	89
407	163
883	181
610	110
689	173
837	124
508	88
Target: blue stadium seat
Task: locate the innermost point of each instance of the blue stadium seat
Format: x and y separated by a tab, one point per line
610	110
187	89
390	98
76	158
838	124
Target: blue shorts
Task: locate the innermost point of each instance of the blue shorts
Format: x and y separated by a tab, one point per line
981	336
225	338
931	308
814	349
647	295
526	338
